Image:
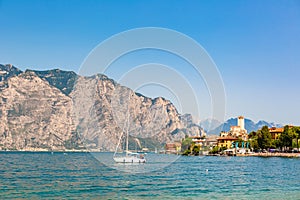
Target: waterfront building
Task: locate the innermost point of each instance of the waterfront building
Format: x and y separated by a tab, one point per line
275	132
199	140
211	140
226	141
235	133
173	148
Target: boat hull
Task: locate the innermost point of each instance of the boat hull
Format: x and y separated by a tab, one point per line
129	160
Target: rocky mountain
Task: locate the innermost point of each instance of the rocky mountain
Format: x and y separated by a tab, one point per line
249	125
34	114
105	110
63	80
209	124
59	110
262	123
7	71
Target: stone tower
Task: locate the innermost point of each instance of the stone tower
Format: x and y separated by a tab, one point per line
241	122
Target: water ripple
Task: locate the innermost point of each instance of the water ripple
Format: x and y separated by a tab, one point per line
81	176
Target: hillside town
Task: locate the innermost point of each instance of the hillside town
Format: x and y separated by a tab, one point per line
267	141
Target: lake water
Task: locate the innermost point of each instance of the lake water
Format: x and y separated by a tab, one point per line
81	176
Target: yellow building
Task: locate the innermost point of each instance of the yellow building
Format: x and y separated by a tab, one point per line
226	141
275	132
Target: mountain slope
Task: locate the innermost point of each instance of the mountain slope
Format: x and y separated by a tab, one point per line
63	80
105	110
55	109
34	114
7	71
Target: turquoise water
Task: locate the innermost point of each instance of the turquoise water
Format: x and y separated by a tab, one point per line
81	176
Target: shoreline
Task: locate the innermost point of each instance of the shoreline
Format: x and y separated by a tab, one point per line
286	155
54	151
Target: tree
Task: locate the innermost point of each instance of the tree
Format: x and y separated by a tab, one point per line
196	150
286	138
252	135
298	136
296	131
264	138
275	143
186	152
253	140
186	143
215	150
254	143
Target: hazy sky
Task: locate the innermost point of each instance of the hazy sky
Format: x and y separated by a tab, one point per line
255	44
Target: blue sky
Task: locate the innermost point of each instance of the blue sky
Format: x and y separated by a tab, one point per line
255	44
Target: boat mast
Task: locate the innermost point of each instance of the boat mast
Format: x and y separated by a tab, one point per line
119	142
127	144
127	135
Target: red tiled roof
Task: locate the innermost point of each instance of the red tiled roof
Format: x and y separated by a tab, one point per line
227	138
273	129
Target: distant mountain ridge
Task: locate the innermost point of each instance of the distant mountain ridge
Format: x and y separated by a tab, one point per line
210	124
249	125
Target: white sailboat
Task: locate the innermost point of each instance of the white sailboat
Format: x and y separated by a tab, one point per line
129	157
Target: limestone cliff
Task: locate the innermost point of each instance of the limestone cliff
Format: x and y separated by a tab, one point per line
34	114
41	109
